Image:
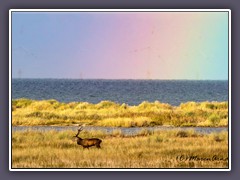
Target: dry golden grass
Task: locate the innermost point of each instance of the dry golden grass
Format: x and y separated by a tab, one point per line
50	112
161	149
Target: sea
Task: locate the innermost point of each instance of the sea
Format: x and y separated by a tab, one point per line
131	92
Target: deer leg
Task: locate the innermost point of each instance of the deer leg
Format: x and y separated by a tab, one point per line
98	146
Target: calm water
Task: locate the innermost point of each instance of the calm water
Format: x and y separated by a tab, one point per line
132	92
127	131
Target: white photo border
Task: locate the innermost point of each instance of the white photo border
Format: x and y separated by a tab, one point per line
119	10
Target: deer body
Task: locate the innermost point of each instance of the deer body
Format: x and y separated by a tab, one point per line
86	143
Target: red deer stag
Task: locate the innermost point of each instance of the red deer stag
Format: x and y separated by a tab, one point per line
86	143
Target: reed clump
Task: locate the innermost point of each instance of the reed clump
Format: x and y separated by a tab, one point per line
106	113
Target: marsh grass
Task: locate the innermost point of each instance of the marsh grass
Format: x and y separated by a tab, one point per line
51	112
147	149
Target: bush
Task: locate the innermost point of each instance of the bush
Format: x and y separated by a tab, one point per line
214	119
106	104
21	103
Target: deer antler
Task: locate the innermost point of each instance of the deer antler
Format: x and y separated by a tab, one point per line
79	130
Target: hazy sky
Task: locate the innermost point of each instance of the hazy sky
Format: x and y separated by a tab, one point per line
120	45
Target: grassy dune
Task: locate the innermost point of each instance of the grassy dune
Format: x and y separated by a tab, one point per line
159	149
51	112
